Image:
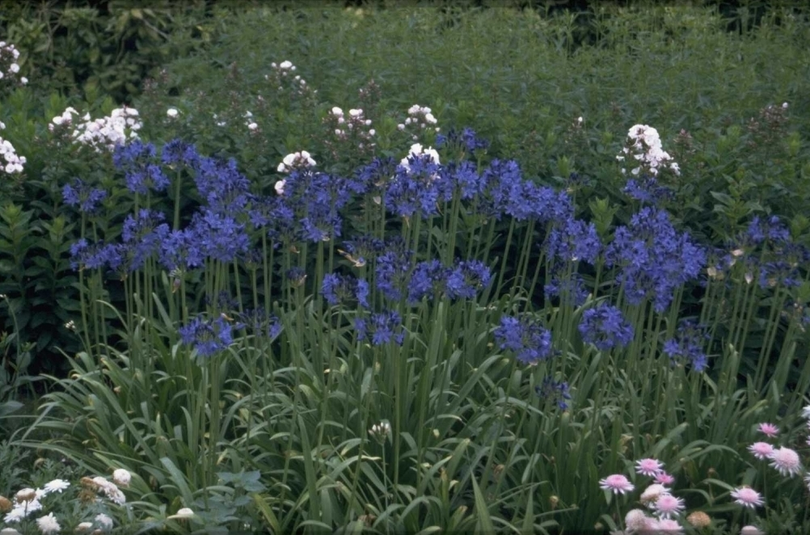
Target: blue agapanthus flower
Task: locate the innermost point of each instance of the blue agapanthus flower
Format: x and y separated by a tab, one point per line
339	288
569	290
574	240
605	327
556	391
466	279
428	279
467	140
652	258
208	337
648	190
688	344
142	170
525	337
87	198
381	328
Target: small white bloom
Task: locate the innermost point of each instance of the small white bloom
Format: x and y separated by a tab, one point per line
14	68
253	126
104	521
57	485
172	112
337	111
122	477
48	524
279	187
285	65
84	526
355	113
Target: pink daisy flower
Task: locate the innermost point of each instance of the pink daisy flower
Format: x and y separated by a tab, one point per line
664	479
667	506
747	497
761	450
649	467
616	483
786	461
667	525
769	430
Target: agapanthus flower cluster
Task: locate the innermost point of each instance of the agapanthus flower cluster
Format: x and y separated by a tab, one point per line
208	337
261	323
652	258
141	166
688	344
462	281
466	140
573	240
106	133
605	327
9	68
339	289
83	196
644	145
380	328
11	162
525	337
648	190
571	290
418	185
419	118
554	391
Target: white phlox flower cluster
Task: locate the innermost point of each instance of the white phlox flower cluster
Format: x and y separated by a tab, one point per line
9	68
355	125
106	133
418	151
419	118
644	145
10	162
282	76
249	122
295	160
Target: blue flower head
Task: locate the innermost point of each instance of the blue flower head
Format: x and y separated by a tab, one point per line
208	337
525	337
687	345
380	328
142	171
85	197
556	391
338	289
604	327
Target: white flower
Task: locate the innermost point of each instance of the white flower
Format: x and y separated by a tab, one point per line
185	512
104	521
122	477
84	526
57	485
14	68
355	113
9	531
337	111
279	187
48	524
417	151
806	412
652	493
252	126
636	520
172	112
285	65
23	80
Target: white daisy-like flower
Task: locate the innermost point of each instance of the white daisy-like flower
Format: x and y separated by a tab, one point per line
652	493
122	477
48	524
667	506
616	483
636	520
57	485
104	521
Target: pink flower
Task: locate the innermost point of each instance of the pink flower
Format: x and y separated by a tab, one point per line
747	497
761	450
616	483
769	430
786	461
663	478
668	505
667	525
649	467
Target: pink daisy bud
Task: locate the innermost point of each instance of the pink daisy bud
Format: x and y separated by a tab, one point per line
649	467
786	461
616	483
667	506
769	430
761	450
747	497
